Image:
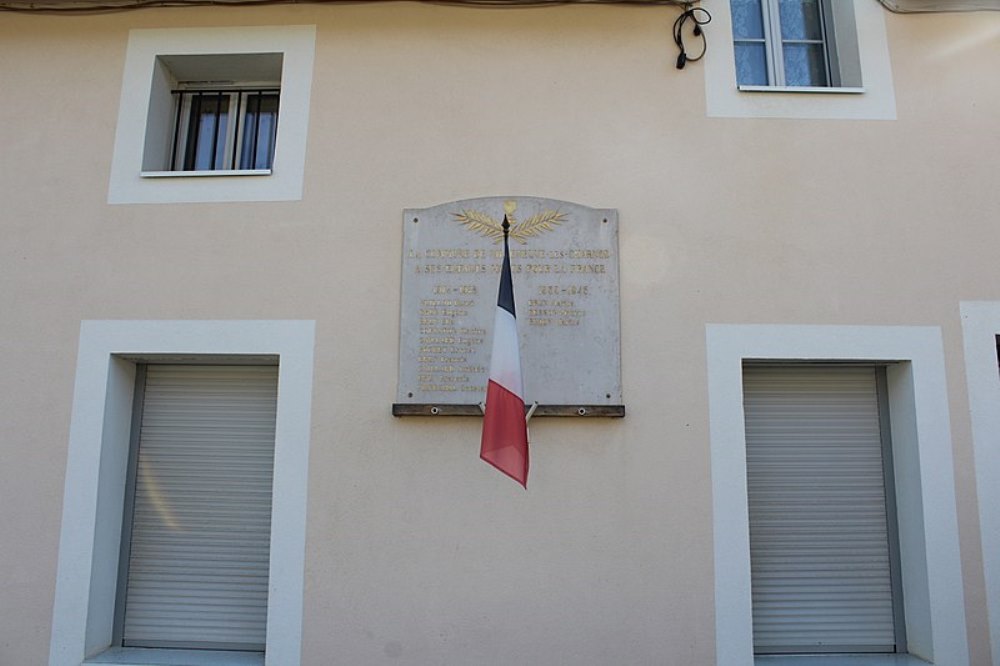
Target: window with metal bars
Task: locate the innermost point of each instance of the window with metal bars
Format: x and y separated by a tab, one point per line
224	129
795	43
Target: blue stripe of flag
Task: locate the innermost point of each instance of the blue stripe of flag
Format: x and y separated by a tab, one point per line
505	299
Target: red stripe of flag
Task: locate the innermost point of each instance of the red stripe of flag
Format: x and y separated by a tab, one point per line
505	431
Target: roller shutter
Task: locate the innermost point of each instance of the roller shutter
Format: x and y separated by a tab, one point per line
819	533
200	531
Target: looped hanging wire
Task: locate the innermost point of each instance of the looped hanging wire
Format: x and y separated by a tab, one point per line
699	17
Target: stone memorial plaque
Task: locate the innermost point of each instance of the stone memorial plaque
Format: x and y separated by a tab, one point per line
564	264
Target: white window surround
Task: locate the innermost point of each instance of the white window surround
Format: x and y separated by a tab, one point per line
875	101
83	611
922	455
283	182
980	328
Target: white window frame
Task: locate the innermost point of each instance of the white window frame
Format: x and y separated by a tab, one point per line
143	80
724	98
934	606
980	331
237	101
93	502
774	46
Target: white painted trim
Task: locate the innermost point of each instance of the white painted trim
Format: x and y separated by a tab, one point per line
802	89
95	472
841	660
980	328
724	99
205	174
922	456
296	43
161	657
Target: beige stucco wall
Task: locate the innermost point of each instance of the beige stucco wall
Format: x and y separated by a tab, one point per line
417	552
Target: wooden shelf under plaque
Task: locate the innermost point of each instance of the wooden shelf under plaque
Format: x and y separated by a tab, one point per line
431	409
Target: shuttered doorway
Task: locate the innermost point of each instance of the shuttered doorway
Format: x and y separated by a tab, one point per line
198	540
821	552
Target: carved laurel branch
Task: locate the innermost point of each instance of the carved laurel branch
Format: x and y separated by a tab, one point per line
537	224
484	225
480	223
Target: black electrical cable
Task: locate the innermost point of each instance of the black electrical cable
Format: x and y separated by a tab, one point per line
98	6
699	17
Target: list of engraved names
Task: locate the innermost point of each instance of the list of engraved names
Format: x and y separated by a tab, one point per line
451	349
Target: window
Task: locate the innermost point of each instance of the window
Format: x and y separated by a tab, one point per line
922	487
89	618
795	43
223	113
213	115
195	542
818	59
823	549
224	129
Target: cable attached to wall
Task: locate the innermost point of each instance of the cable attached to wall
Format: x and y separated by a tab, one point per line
696	16
699	17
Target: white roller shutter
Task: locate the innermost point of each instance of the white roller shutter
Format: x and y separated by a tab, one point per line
819	542
198	561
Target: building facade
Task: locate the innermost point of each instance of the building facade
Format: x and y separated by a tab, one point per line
203	237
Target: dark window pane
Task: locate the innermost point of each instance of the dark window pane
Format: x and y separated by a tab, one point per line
747	19
206	141
800	19
751	64
251	126
259	128
805	65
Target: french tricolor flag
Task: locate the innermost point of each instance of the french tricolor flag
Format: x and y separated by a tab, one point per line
505	430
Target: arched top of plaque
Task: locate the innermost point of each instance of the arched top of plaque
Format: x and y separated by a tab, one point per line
529	217
564	264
